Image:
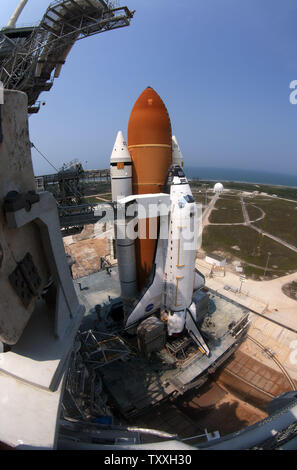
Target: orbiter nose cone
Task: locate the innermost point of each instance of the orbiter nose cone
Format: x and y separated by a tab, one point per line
120	150
149	121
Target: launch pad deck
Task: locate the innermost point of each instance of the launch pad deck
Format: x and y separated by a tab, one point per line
135	382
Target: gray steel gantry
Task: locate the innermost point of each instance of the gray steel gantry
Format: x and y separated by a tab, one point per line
32	57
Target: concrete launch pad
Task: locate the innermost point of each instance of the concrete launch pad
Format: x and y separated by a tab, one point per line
135	383
97	288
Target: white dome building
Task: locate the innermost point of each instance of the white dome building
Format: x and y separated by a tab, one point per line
218	188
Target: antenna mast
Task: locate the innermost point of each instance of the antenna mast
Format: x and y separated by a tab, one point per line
15	16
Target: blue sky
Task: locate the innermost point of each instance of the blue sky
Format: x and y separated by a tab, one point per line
222	67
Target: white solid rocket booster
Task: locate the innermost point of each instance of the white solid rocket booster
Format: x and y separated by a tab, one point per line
120	169
177	156
121	187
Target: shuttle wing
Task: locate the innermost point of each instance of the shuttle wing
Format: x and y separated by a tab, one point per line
151	298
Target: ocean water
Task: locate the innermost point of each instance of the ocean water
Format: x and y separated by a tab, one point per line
244	176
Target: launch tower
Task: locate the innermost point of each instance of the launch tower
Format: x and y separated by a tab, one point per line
32	57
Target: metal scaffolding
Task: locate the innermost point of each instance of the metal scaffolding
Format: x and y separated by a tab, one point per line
31	58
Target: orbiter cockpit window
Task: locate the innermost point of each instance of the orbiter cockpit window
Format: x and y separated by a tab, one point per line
177	171
189	198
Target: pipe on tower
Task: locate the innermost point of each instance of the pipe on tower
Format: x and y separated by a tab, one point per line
16	14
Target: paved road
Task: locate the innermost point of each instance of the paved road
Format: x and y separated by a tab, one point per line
208	210
246	216
277	239
268	299
245	212
261	216
266	234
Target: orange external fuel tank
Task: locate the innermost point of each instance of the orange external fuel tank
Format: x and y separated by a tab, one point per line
150	147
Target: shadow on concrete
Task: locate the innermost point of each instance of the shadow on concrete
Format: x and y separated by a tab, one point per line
212	409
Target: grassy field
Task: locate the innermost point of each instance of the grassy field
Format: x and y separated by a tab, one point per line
254	249
100	187
106	197
227	210
200	197
201	185
291	290
94	199
280	219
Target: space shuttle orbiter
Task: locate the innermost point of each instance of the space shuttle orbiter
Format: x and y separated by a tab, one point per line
174	278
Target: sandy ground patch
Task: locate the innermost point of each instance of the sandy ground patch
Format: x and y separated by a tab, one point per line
87	254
